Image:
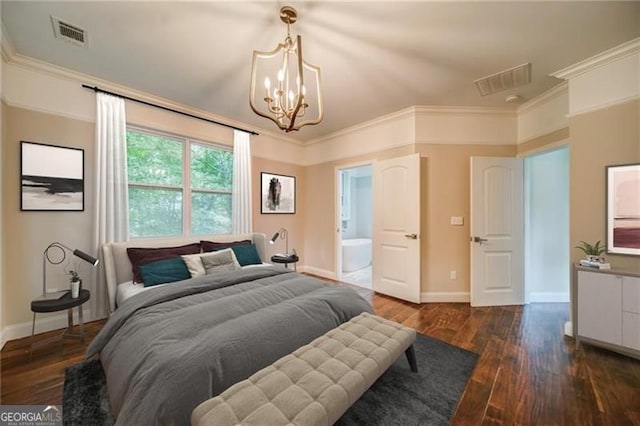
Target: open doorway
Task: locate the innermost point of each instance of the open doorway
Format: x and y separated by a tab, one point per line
546	226
354	249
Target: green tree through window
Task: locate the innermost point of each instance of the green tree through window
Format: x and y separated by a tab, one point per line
171	193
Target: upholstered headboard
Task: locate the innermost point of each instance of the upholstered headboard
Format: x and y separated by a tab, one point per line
118	267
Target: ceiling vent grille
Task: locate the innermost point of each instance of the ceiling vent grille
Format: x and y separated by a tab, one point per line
504	80
68	32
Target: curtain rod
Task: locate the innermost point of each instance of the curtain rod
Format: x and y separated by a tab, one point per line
97	89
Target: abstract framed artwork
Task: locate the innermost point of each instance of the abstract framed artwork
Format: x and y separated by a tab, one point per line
623	209
277	194
52	177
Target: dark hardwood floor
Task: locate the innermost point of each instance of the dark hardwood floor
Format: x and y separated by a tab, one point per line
528	373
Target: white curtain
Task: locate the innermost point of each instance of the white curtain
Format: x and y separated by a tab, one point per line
241	221
111	202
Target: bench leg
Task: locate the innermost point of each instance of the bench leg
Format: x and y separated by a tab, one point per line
411	357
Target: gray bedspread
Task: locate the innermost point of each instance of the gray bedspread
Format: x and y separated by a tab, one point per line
164	351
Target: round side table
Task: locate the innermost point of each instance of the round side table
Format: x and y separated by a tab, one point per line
292	258
60	304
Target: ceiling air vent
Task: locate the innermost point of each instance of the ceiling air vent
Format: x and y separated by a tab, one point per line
69	32
503	80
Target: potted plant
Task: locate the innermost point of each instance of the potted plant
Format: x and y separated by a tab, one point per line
74	282
593	251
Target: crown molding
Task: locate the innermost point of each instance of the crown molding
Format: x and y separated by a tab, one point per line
32	64
378	120
8	49
555	92
621	51
414	111
605	105
465	110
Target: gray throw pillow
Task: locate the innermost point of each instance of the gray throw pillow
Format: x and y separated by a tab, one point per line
218	261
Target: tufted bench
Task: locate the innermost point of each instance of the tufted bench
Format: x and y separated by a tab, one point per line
318	382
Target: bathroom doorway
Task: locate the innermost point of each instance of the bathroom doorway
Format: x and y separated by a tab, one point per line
354	247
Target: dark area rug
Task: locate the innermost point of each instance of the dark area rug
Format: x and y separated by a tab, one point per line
84	397
399	397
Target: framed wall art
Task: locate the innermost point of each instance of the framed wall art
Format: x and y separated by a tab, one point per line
52	177
277	194
623	209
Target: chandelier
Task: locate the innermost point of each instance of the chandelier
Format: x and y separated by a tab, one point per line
291	95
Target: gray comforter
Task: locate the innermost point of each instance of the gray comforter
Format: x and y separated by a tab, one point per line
164	351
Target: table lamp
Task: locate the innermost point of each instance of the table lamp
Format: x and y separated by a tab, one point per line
45	258
284	235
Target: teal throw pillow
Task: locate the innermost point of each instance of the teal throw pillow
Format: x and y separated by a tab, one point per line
164	271
247	255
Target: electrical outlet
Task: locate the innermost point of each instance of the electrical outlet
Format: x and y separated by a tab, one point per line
453	275
457	220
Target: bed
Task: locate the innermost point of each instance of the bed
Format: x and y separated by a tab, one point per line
167	349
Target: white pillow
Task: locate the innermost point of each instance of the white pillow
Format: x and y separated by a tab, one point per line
218	261
194	264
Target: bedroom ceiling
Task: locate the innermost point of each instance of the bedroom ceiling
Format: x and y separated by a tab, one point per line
376	57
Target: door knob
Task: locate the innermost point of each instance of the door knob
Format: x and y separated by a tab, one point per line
479	240
411	236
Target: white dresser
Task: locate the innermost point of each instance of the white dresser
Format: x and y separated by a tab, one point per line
607	311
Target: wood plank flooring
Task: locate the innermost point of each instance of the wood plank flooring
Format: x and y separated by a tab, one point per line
528	372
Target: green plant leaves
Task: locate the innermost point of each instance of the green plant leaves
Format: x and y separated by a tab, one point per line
591	249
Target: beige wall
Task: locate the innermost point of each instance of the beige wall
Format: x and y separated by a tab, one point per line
446	192
605	137
2	239
270	223
26	234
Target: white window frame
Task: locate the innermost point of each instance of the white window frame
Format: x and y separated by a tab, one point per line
186	189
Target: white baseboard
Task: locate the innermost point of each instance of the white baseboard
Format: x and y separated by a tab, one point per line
568	329
44	323
448	297
317	271
548	297
3	338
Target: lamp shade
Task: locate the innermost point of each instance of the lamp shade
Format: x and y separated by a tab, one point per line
87	258
283	234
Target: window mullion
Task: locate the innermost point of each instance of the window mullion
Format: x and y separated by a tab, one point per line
186	189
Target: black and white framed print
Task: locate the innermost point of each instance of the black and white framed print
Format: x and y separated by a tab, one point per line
52	177
623	209
278	194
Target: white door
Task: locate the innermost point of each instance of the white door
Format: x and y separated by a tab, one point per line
497	237
396	227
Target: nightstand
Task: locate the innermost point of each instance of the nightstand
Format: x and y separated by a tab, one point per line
292	258
60	304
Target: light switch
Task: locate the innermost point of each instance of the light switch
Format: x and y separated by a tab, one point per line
457	220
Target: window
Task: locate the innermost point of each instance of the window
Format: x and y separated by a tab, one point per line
162	169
